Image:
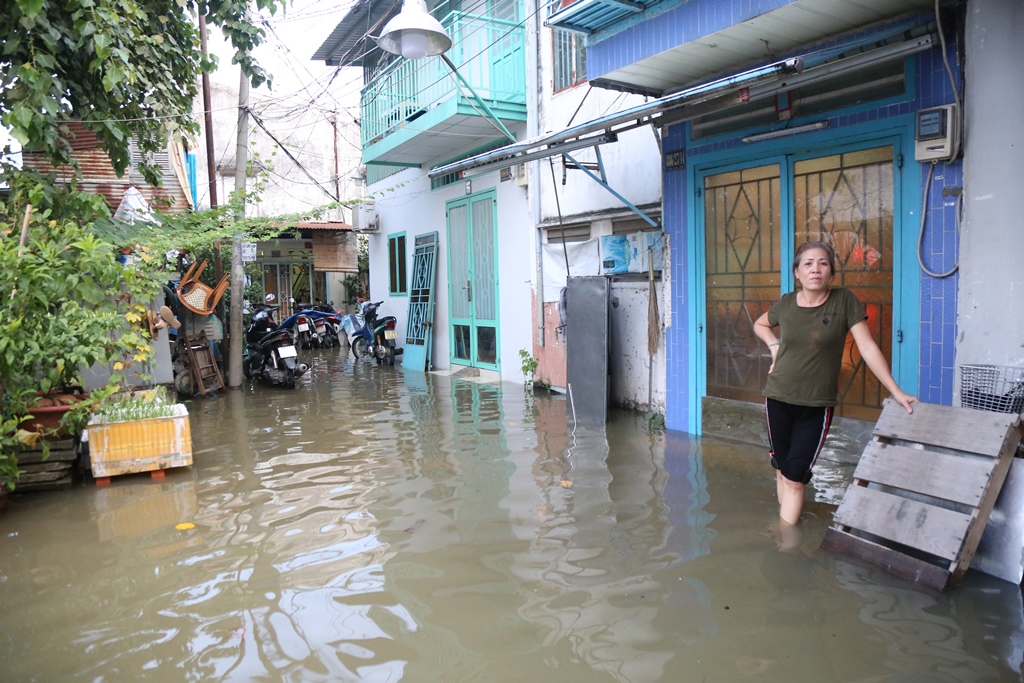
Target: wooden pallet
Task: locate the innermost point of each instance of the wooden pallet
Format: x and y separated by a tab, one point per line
923	491
48	472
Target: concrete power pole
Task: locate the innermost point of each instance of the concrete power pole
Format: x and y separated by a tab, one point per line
237	272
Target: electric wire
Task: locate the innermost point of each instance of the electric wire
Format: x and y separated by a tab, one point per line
259	122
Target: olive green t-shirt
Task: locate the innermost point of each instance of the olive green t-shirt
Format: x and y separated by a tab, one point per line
811	353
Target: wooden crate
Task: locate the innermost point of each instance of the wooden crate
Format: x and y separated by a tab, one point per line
923	491
140	445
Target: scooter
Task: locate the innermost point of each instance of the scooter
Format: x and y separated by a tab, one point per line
305	331
314	328
269	353
377	338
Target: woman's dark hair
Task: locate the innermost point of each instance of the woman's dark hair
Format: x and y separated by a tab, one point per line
824	246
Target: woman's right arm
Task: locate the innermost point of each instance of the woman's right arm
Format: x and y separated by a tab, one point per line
766	333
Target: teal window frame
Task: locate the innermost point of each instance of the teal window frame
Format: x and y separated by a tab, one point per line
398	277
569	59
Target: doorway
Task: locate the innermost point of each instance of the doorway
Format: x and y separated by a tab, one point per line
754	217
473	280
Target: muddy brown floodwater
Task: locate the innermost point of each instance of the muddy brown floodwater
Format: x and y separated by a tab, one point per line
382	526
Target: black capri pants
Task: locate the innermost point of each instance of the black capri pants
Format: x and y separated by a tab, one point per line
796	435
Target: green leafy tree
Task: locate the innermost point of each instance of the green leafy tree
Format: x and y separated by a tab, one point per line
127	69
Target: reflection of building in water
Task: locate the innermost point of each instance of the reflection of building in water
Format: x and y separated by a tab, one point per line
604	553
295	557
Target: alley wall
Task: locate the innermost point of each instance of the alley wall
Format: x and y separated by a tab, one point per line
991	304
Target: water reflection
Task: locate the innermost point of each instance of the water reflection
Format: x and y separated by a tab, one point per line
376	525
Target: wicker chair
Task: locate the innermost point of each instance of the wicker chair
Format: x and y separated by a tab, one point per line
197	296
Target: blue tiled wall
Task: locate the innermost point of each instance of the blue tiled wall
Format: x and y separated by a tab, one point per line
677	337
938	296
941	248
676	26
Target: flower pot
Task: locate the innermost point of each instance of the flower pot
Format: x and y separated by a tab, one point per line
139	445
49	417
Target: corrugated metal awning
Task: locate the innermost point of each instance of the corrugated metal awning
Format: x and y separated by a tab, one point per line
702	99
605	129
587	16
350	40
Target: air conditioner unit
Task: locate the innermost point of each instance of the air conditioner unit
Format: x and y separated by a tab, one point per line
521	174
365	218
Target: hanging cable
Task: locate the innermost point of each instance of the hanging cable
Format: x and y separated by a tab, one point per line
288	153
561	227
931	169
920	236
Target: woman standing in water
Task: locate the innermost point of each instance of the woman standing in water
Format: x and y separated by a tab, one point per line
806	333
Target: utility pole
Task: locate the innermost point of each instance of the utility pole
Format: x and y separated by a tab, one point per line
337	179
211	168
211	165
237	272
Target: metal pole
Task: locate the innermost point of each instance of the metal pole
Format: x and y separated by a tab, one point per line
479	100
237	272
211	168
337	178
211	165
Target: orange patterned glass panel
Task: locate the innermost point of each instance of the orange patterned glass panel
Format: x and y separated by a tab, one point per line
742	269
847	200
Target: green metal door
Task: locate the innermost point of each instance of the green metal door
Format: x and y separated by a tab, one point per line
506	52
473	281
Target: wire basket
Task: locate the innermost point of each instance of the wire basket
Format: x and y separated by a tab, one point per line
995	388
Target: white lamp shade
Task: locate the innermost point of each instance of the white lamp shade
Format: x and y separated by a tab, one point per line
415	45
414	33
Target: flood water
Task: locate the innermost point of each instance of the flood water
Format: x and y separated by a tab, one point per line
382	526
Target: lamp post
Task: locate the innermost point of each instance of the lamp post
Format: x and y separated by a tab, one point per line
416	34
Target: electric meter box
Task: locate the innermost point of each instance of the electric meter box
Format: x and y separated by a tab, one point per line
937	134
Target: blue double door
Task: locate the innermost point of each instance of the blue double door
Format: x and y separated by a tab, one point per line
753	217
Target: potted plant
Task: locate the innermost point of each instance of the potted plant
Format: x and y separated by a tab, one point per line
138	431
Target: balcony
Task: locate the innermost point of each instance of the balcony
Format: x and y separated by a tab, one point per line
415	111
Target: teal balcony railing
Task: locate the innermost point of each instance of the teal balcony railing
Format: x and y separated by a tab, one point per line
489	54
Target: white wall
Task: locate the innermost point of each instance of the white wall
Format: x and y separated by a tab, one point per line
632	165
628	360
406	203
633	169
990	320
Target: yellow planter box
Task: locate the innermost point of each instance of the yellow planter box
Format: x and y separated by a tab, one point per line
140	445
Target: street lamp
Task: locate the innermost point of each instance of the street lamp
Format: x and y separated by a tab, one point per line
414	33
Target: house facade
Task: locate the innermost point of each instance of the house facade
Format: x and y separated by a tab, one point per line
862	144
466	302
505	240
741	129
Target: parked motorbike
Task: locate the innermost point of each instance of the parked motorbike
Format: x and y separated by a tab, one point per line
269	353
377	338
314	328
332	323
306	335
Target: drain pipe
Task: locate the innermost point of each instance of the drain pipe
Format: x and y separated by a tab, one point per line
533	104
